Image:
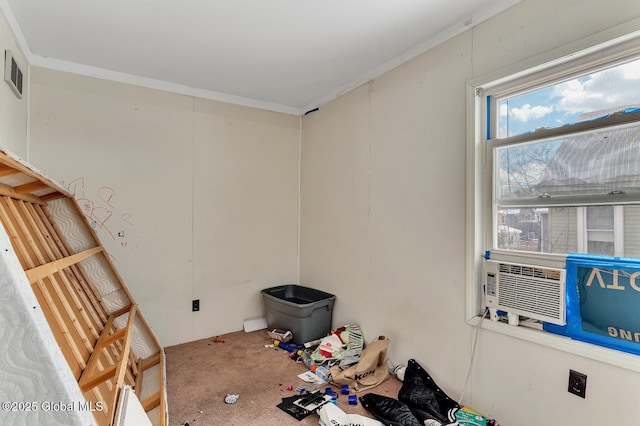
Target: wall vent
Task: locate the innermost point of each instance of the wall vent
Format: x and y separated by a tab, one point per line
527	290
12	73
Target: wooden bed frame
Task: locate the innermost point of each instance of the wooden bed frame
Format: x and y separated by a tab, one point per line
94	338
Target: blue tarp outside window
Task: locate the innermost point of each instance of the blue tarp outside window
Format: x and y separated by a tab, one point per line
603	302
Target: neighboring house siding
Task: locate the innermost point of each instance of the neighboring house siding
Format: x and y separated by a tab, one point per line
632	231
563	218
562	230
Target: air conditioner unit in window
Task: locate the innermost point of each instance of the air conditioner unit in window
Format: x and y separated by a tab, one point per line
531	291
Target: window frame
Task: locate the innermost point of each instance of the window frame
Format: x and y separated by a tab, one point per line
591	53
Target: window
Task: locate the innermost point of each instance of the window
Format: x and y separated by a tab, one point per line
565	157
555	160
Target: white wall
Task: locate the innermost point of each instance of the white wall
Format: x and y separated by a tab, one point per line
193	199
383	221
13	110
245	210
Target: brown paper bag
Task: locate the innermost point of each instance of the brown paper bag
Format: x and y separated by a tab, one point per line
369	372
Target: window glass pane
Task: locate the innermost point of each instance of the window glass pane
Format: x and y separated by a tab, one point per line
600	218
556	229
579	99
597	162
603	248
600	236
561	230
524	229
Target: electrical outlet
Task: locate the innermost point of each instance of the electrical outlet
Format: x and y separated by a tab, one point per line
195	305
577	383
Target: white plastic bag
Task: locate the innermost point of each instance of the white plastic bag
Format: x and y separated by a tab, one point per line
331	415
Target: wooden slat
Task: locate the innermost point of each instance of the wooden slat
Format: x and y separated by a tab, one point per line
134	363
133	373
130	376
138	385
117	275
146	325
120	312
84	306
122	365
31	187
87	289
151	401
10	191
39	272
106	332
15	227
53	291
74	278
126	346
150	361
15	164
89	380
69	337
92	381
143	365
163	401
22	241
16	240
55	284
52	196
58	333
67	291
109	340
7	171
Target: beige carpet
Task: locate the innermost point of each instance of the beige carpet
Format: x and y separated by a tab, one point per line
200	374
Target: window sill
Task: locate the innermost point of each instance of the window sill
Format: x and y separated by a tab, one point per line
562	343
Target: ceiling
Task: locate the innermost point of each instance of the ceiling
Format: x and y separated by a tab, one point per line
283	55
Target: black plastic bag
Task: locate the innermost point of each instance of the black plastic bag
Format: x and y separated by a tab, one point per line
425	398
389	411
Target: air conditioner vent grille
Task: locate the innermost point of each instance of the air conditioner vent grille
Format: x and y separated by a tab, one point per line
529	294
527	290
530	271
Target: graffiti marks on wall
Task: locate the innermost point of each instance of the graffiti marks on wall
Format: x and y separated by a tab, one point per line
101	210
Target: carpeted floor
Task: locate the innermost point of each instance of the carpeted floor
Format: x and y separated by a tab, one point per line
200	374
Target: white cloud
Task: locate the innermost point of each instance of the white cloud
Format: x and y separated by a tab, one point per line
631	70
602	91
575	97
589	96
527	112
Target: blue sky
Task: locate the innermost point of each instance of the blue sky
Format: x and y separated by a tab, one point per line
564	102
